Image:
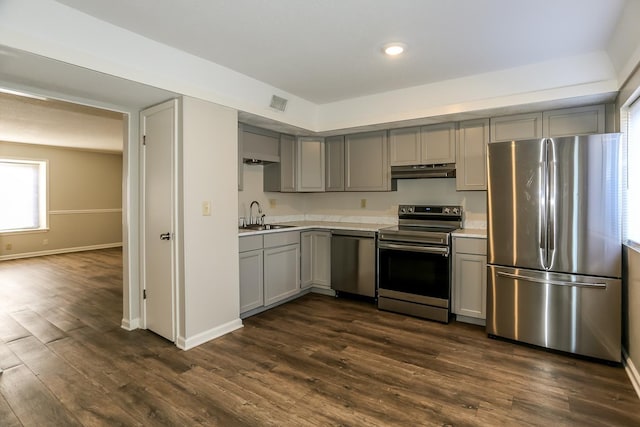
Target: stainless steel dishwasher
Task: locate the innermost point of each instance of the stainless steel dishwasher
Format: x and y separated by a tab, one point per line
353	262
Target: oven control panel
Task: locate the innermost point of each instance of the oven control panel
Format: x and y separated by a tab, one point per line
424	210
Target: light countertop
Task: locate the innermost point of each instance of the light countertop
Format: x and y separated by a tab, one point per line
474	233
357	226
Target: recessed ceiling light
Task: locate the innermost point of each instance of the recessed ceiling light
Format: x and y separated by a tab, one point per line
394	49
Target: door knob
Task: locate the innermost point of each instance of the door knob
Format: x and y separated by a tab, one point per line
165	236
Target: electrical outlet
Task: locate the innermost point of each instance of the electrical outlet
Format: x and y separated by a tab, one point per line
363	203
8	246
45	242
272	203
206	208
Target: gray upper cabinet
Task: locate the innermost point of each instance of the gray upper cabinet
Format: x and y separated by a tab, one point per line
404	146
438	143
574	121
310	174
423	145
516	127
549	124
260	144
281	176
471	167
367	162
334	163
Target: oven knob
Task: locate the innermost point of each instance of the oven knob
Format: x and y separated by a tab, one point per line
410	209
447	211
403	210
456	211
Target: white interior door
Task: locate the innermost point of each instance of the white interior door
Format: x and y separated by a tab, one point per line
159	141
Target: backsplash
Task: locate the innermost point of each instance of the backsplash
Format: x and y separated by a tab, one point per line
380	207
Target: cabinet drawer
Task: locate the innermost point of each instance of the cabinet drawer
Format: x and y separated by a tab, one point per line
250	243
280	239
470	246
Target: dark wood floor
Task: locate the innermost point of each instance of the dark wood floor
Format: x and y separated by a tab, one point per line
314	361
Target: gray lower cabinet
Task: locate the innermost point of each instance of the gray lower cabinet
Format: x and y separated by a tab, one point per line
281	266
471	164
251	273
315	259
367	162
470	278
269	269
251	280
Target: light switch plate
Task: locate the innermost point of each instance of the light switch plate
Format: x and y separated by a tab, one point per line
206	208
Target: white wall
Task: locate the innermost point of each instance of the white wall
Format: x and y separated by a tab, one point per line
211	271
54	31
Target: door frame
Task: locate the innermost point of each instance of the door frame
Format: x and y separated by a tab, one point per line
175	213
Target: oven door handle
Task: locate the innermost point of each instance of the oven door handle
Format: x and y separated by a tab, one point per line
410	248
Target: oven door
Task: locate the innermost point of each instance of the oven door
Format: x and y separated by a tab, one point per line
415	273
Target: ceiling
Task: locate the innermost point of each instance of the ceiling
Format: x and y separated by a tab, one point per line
330	50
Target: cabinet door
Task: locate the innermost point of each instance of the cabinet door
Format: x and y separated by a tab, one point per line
321	260
367	162
574	121
310	164
516	127
251	285
281	273
334	163
470	285
471	164
438	143
287	163
306	259
240	160
404	146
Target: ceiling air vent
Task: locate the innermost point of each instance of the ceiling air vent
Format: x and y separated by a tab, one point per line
278	103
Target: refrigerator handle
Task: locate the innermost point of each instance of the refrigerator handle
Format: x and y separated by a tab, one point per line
551	220
543	210
552	282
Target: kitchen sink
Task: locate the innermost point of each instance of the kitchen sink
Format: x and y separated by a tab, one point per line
259	227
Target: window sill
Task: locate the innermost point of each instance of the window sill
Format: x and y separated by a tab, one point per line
24	231
632	245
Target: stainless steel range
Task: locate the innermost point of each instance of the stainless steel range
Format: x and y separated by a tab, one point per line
414	262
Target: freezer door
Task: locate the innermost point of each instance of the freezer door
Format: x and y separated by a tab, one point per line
584	220
576	314
516	208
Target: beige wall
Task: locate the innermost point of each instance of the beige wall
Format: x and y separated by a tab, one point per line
378	204
631	304
85	201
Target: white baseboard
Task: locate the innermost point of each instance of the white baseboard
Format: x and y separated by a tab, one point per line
60	251
130	325
323	291
201	338
632	372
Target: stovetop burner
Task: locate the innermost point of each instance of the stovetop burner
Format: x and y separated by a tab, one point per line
421	223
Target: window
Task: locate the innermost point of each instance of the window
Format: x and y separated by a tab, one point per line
23	193
632	193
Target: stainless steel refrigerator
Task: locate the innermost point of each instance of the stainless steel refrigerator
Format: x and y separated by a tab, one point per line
554	244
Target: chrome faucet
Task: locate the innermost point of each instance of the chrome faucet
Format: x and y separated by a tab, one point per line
251	217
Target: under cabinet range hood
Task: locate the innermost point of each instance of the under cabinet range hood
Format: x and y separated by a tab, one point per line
447	170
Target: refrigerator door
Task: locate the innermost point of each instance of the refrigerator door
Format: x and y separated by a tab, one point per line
576	314
516	208
584	220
